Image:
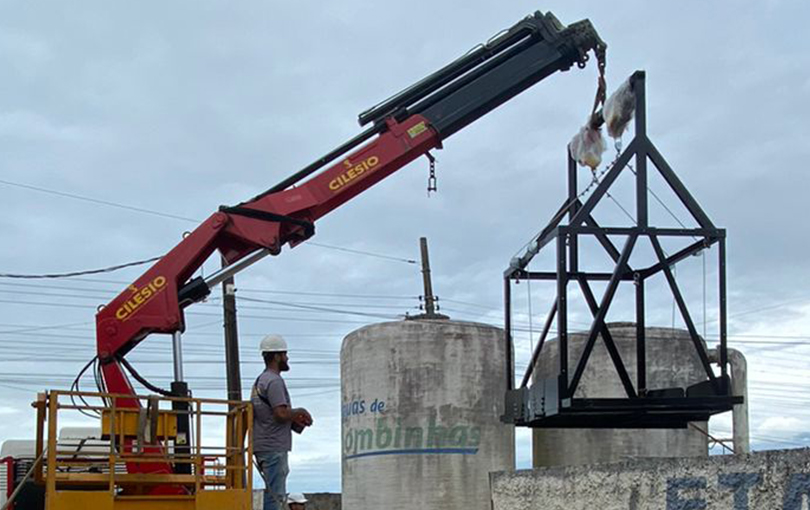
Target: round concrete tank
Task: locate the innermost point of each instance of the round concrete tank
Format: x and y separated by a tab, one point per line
421	407
671	362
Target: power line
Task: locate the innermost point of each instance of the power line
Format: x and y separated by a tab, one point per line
370	254
28	329
55	287
28	332
288	306
211	302
96	201
97	280
176	217
198	314
208	302
466	303
763	308
327	294
36	303
242	290
318	308
79	273
54	294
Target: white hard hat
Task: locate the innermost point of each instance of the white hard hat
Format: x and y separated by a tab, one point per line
296	497
273	343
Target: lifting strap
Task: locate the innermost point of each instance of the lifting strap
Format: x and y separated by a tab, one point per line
259	393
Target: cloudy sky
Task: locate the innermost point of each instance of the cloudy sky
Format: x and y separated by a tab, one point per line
124	125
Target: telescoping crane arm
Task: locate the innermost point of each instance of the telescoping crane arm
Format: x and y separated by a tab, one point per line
402	128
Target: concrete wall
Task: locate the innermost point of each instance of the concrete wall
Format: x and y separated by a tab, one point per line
317	501
775	480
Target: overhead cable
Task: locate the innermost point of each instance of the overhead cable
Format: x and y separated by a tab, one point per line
177	217
350	250
79	273
318	308
96	201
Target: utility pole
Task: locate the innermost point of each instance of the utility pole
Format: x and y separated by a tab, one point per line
430	300
233	374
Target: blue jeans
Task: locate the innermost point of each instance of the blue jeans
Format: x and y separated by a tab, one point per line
274	469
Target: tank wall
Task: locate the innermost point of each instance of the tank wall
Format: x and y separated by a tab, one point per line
421	407
671	362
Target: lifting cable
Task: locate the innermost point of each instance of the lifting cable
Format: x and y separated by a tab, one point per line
618	146
531	332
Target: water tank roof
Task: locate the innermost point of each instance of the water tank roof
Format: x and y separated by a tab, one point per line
420	321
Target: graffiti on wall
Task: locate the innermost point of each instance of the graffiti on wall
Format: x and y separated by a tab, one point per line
385	433
691	493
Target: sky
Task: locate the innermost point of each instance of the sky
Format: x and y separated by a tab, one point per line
124	125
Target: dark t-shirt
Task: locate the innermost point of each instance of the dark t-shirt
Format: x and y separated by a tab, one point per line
268	434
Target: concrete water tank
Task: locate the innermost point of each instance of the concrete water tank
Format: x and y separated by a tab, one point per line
421	403
671	362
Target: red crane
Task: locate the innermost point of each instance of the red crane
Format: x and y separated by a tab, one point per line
402	128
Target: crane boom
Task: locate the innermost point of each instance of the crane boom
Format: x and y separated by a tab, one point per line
402	129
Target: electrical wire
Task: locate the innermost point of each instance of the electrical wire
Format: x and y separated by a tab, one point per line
96	201
328	294
80	273
118	267
360	252
241	289
489	308
211	303
317	308
199	314
80	293
54	287
28	329
164	215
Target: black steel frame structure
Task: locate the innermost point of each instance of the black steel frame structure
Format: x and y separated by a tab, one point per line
551	402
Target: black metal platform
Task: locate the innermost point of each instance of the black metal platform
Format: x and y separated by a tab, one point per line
554	402
538	406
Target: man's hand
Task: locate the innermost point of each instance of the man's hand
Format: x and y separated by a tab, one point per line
299	415
302	417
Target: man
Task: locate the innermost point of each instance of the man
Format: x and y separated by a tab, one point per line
296	501
273	421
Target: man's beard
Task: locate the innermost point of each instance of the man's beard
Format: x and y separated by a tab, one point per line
283	366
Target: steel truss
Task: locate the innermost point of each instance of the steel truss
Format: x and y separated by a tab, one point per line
551	402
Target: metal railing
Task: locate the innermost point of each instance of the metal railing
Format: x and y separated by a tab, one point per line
138	450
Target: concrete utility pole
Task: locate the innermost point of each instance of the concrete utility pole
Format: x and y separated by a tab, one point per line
430	300
233	373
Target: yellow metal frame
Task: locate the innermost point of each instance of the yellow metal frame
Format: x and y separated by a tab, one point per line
128	424
221	476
